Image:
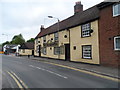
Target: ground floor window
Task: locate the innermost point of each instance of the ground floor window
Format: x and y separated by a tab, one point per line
62	50
56	50
37	49
44	50
23	50
86	51
117	43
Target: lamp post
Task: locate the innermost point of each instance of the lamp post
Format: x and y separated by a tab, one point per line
58	23
58	30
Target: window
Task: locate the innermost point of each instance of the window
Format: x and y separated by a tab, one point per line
85	30
23	50
56	36
117	43
116	9
36	41
56	50
86	52
74	48
44	51
62	50
37	49
44	39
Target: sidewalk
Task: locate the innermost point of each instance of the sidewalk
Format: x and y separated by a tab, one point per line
107	71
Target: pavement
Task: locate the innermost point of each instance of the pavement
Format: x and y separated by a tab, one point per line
103	70
22	72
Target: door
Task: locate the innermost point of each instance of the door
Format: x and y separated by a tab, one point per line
39	50
32	52
67	52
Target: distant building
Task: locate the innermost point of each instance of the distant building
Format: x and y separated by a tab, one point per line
26	49
91	36
10	48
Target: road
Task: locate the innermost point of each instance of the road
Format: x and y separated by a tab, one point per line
21	72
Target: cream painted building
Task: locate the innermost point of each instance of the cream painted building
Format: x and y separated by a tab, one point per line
84	45
26	49
76	39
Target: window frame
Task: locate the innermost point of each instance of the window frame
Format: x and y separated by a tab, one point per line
90	52
56	53
116	49
113	9
83	36
44	50
56	36
23	51
62	50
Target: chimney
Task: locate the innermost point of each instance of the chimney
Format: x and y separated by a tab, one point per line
78	7
42	28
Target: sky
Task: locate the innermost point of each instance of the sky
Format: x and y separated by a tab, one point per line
26	16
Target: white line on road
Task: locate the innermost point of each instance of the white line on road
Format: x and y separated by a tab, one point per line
49	71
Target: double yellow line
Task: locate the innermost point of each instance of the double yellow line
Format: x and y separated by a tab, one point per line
19	82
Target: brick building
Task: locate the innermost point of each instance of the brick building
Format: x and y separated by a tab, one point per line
109	33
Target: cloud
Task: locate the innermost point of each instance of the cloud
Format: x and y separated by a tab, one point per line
26	16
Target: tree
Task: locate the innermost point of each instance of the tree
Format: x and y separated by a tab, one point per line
7	42
31	40
18	39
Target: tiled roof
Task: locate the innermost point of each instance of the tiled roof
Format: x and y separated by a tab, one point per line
27	45
75	20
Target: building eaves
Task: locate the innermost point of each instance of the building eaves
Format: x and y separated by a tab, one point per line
73	21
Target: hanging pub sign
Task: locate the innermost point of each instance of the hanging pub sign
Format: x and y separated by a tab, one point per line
50	43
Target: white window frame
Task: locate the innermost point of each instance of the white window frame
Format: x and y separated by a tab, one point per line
115	43
85	28
118	5
83	52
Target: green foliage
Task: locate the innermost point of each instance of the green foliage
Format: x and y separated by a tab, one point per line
18	39
31	40
7	42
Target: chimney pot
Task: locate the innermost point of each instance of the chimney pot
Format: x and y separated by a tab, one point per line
78	7
42	28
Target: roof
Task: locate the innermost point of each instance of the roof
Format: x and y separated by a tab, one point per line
88	15
104	4
11	46
27	45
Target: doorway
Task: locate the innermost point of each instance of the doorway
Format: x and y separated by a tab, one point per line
67	52
39	50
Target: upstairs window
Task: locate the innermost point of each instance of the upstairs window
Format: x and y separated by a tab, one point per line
86	30
116	9
44	39
117	43
56	36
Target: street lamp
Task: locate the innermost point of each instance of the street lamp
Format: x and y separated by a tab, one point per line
58	30
57	20
58	23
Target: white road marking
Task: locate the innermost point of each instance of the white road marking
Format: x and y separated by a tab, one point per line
49	71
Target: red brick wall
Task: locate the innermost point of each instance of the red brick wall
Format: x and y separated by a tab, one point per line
108	28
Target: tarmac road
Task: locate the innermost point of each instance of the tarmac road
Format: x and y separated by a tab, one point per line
25	73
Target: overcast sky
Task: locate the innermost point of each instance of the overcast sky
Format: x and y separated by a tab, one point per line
26	16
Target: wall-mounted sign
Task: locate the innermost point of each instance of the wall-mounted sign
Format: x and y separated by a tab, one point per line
50	43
